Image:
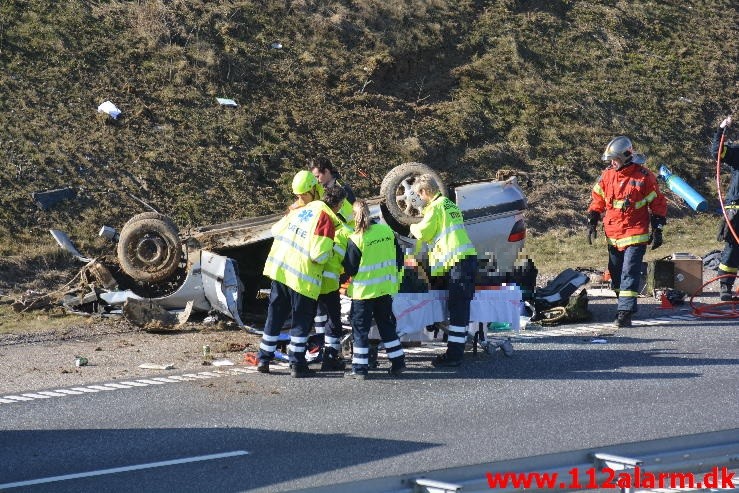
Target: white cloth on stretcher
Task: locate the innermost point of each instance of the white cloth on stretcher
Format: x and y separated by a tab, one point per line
415	311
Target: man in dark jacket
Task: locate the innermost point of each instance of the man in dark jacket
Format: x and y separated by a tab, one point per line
729	155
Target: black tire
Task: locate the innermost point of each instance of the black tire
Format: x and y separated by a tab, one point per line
149	248
397	194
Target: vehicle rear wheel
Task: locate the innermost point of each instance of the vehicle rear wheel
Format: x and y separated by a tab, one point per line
403	204
149	248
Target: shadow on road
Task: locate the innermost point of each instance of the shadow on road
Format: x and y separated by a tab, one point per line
273	457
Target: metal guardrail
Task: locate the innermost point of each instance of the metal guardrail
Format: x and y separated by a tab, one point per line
690	453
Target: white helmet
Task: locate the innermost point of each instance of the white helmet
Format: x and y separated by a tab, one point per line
622	150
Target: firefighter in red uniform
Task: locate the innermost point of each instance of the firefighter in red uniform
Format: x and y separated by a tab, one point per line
627	192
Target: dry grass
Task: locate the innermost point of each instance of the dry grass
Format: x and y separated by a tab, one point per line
562	248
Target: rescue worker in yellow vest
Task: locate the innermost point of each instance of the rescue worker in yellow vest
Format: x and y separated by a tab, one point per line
373	259
451	255
303	243
327	322
328	176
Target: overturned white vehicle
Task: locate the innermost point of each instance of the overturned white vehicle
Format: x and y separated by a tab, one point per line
219	267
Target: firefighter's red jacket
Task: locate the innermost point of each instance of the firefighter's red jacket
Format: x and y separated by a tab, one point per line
627	196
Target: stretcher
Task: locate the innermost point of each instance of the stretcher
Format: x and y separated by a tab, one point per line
422	317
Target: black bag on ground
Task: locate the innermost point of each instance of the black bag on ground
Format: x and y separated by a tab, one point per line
558	291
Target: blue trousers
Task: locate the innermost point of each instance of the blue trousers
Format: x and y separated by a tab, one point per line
362	313
625	268
461	286
285	301
328	319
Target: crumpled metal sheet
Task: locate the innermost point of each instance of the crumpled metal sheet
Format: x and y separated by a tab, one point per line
221	284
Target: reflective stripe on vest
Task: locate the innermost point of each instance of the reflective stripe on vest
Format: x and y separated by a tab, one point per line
619	204
452	243
333	268
457	254
628	241
450	229
291	259
377	273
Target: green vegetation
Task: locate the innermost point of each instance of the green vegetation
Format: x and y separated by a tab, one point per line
469	87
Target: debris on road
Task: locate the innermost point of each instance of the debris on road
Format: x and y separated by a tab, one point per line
223	362
154	366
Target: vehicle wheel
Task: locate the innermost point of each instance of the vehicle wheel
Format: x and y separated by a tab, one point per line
149	248
397	192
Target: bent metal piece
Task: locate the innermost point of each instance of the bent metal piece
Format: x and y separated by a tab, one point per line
221	284
63	240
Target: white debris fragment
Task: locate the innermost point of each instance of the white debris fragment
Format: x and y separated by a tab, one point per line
598	341
109	108
223	362
227	102
154	366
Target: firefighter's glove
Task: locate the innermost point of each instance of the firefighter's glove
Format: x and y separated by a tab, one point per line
656	239
658	222
726	122
593	218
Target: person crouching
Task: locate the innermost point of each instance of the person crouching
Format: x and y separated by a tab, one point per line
373	259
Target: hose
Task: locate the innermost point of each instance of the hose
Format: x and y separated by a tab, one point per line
718	310
715	310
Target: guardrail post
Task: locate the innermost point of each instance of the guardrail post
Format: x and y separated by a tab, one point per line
423	485
617	463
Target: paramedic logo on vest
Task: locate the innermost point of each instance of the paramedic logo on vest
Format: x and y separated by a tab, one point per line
305	215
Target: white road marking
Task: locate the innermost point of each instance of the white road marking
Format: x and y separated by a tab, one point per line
431	347
117	385
99	387
150	382
85	389
52	394
116	470
16	398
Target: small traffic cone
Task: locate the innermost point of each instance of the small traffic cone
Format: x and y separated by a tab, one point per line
664	302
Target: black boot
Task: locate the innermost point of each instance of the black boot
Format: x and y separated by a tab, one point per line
624	318
726	292
331	360
300	370
397	367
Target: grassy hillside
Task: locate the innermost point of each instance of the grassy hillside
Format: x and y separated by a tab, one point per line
468	87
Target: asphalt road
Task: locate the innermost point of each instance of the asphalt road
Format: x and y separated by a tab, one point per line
559	391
